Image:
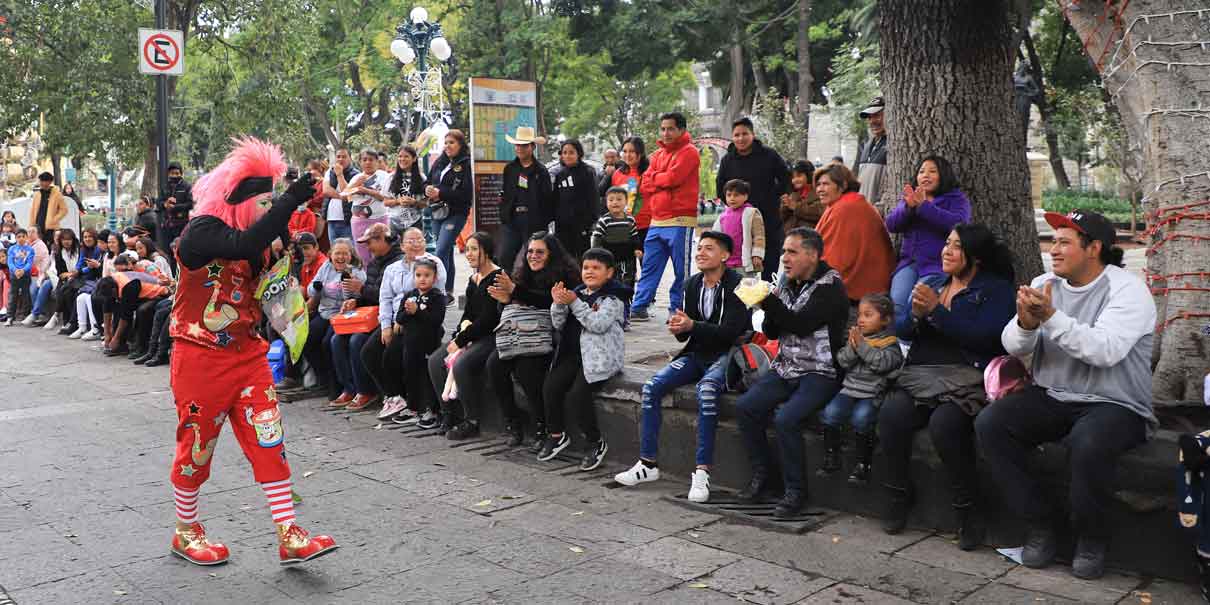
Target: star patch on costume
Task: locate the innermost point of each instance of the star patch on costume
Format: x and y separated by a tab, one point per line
218	420
222	338
214	269
187	470
193	408
245	393
194	329
271	394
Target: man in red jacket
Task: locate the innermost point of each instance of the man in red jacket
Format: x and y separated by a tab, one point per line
670	188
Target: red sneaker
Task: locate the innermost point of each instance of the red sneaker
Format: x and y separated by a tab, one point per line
190	543
296	545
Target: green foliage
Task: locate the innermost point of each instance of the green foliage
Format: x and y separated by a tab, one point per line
856	68
777	124
1115	208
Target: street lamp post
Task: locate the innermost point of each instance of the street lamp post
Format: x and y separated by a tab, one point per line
414	40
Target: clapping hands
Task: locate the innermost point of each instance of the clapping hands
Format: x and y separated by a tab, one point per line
562	295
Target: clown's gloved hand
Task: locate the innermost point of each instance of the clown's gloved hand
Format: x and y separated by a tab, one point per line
302	189
752	291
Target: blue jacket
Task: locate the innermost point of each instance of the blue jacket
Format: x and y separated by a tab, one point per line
20	257
86	272
974	320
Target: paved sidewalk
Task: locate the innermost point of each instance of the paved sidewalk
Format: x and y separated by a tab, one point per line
86	517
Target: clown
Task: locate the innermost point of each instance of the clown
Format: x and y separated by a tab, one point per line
219	369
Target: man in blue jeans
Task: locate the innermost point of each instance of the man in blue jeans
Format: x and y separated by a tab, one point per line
670	187
808	315
713	319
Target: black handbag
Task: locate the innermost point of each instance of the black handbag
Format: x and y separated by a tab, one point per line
524	331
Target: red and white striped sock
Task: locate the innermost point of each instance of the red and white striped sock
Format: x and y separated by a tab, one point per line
186	504
281	500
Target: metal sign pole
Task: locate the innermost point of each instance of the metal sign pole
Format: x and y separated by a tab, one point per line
161	113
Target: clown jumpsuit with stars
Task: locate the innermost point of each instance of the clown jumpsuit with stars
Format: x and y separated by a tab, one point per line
219	370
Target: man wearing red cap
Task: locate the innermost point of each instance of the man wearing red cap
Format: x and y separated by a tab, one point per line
1088	325
219	369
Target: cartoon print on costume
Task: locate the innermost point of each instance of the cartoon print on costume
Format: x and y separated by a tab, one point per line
217	318
267	425
202	456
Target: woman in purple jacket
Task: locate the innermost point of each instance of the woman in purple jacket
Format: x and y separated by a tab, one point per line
928	210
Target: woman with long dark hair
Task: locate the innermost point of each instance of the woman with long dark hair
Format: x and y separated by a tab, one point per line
628	176
406	191
65	255
575	198
449	191
87	272
955	323
473	343
931	205
545	264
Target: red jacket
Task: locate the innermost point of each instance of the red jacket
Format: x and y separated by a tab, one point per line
670	185
630	182
301	221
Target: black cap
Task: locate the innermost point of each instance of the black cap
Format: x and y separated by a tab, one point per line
306	239
174	166
1094	225
876	105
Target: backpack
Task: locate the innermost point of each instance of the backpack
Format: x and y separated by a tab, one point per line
749	361
1003	376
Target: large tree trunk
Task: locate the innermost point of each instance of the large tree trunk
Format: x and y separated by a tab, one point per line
1155	70
947	69
735	96
805	79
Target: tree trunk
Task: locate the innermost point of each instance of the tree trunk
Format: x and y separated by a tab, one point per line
947	69
735	96
758	76
1157	76
150	164
805	79
1043	104
56	160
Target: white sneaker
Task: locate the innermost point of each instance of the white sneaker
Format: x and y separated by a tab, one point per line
390	407
80	331
53	324
28	321
639	473
93	334
699	489
9	322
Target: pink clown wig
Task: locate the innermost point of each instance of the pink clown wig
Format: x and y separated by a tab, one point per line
251	157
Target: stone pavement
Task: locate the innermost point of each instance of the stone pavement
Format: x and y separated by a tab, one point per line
86	515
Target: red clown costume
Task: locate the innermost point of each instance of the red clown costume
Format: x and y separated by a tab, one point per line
219	370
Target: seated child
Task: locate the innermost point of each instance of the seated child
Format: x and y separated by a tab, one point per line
419	321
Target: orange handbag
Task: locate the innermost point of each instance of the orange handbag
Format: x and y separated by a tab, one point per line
357	321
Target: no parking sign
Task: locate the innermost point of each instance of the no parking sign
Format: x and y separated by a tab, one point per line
161	52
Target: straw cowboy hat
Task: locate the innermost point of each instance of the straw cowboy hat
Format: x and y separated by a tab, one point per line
525	136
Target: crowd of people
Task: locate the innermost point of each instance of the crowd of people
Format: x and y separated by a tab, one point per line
877	342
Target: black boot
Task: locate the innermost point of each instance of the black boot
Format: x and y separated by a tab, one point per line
516	434
899	507
865	458
970	526
161	358
149	355
539	438
832	438
791	504
1203	574
757	486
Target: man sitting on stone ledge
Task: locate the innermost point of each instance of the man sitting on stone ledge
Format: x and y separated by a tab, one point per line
1088	325
712	320
808	313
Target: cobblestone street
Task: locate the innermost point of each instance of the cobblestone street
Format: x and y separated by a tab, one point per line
86	517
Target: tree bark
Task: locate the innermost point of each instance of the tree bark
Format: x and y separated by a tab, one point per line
947	70
735	95
1154	69
1043	104
805	79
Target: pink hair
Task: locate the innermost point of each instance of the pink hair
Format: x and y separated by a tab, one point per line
250	157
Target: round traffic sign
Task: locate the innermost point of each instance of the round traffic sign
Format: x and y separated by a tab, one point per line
161	53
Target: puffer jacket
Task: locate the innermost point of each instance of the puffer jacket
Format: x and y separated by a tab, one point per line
600	315
670	184
808	320
925	228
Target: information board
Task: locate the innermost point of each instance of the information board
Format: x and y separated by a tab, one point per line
497	108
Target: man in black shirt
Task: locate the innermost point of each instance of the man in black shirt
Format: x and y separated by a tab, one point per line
525	203
174	207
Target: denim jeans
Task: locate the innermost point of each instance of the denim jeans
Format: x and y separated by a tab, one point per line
346	359
339	229
902	283
447	231
664	244
844	409
1097	434
789	402
41	296
710	376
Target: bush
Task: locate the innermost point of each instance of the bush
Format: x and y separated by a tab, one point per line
1114	208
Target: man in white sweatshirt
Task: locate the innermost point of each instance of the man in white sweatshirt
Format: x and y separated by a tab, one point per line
1088	325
